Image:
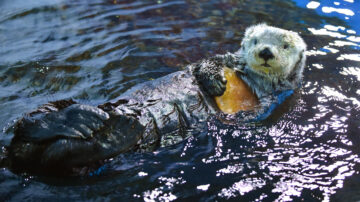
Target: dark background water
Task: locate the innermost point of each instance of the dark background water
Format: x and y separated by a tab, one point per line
92	51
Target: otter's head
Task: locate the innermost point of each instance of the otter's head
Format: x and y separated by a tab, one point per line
273	52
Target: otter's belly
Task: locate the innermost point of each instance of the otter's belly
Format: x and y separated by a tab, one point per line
174	103
237	97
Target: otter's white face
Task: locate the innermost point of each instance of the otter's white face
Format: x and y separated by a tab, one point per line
271	51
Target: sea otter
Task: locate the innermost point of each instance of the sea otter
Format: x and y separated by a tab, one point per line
64	135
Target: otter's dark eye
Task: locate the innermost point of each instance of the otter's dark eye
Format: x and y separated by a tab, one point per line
286	46
255	41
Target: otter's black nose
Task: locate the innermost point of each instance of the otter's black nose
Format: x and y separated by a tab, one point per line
266	54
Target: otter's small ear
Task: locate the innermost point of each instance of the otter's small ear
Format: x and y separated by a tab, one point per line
300	43
250	30
296	75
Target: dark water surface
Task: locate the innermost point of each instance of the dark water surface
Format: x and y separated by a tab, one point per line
92	51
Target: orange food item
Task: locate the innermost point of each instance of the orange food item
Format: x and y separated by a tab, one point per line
238	95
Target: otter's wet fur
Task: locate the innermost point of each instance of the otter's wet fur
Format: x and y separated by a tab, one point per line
63	136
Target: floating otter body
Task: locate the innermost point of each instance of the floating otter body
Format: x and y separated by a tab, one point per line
153	114
66	135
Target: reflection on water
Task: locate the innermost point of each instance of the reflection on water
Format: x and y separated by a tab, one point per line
94	51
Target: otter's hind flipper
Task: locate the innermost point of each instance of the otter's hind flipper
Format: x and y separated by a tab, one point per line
74	121
72	136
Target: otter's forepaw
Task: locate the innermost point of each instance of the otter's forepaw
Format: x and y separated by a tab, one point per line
210	75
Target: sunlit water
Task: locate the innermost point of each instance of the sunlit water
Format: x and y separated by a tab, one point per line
92	51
